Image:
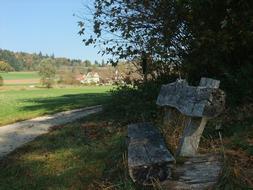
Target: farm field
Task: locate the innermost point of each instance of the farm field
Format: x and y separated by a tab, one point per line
21	103
20	75
20	78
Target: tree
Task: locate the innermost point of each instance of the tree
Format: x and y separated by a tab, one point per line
68	76
5	67
128	29
87	63
221	45
96	63
103	63
193	38
40	54
47	72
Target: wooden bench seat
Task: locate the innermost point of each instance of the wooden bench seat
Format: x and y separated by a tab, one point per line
148	156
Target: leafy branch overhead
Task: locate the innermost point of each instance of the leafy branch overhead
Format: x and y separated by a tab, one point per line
197	38
127	28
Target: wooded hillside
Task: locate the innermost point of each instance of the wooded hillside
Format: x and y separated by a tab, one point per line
20	61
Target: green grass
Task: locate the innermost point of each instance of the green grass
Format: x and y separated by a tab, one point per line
84	155
25	103
91	154
88	154
22	85
19	75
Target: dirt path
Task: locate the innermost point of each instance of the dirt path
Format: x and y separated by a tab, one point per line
15	135
22	81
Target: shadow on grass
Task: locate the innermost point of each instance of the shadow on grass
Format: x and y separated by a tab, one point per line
78	156
66	102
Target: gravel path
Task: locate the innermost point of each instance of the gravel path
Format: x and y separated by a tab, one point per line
15	135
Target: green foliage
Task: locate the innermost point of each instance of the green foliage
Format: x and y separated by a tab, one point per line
1	81
47	72
5	66
195	38
87	63
126	29
96	63
67	76
136	102
20	61
221	45
10	58
132	104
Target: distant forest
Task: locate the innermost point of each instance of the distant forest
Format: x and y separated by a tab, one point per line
20	61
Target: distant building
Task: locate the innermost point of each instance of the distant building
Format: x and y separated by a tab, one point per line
91	77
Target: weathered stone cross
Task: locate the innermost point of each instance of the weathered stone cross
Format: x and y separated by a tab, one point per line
198	104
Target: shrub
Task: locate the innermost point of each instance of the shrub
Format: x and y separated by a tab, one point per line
47	72
1	81
67	77
136	102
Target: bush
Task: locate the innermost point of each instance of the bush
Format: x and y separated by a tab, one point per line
47	72
67	77
137	102
1	81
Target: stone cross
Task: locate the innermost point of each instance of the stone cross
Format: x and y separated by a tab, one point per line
199	104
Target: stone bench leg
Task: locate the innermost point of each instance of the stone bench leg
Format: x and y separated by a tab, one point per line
189	142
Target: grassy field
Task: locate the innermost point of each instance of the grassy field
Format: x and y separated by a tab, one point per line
19	75
88	155
91	155
20	78
18	103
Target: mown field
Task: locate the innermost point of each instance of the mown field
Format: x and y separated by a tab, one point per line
19	75
19	100
20	78
20	103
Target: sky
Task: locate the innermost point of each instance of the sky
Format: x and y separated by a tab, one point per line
44	25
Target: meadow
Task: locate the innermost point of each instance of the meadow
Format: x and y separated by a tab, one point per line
73	156
18	103
91	153
20	78
19	75
19	100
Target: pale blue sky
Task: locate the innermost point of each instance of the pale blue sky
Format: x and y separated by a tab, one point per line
44	25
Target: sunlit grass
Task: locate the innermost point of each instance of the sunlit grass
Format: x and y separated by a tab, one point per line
19	75
24	103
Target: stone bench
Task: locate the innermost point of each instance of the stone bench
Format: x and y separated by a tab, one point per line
148	157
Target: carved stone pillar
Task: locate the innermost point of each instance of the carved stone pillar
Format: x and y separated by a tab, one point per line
189	142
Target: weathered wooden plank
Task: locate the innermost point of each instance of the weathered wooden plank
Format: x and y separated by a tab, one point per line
195	173
201	101
148	157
